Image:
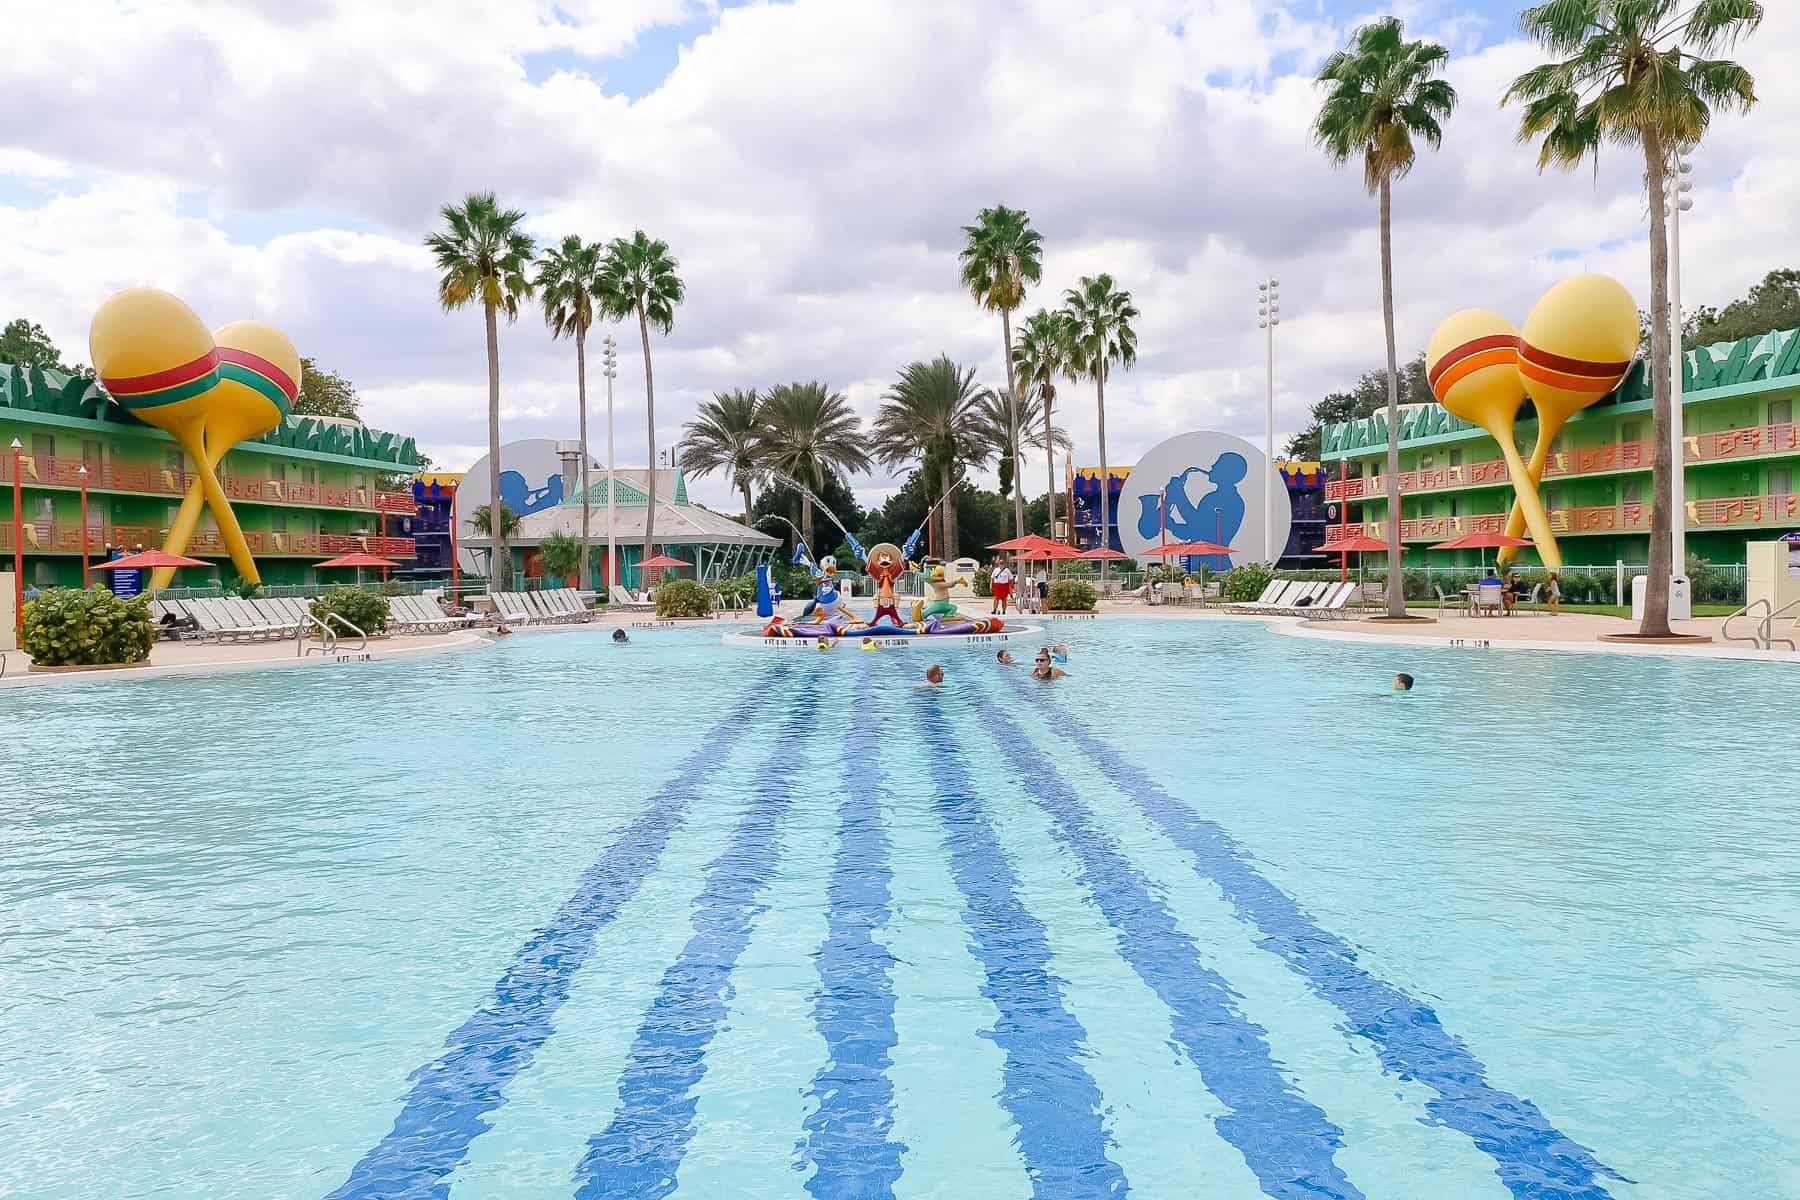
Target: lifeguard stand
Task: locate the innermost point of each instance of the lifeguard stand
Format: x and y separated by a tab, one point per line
1773	574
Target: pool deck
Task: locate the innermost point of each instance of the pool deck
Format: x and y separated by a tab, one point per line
1565	632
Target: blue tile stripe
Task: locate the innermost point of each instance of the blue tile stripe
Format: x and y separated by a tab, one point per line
1286	1140
1045	1089
848	1134
447	1107
1532	1157
640	1150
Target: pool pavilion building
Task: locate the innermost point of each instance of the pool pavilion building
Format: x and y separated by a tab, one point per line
1741	454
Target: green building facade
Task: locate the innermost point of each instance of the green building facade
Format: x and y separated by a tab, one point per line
1742	458
309	490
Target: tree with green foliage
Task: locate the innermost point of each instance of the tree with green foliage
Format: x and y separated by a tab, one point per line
637	278
931	416
1774	303
24	344
1099	317
727	435
808	432
1636	73
1382	96
1365	398
1009	426
1001	254
565	283
563	555
784	500
1040	354
482	255
325	394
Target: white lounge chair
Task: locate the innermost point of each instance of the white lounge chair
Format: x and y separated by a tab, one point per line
1327	604
626	601
218	621
511	608
1276	595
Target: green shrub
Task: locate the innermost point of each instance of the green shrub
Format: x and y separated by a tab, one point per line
983	583
68	627
1072	595
560	555
737	592
365	610
1246	582
683	598
242	588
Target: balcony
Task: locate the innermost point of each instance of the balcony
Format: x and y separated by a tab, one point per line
1735	512
44	471
44	537
1722	445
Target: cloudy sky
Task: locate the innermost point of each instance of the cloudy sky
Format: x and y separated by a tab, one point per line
809	163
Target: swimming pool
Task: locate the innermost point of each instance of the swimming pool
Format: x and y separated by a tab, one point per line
1213	916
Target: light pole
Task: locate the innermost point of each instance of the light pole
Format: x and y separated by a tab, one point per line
1268	306
1678	185
83	473
609	359
18	540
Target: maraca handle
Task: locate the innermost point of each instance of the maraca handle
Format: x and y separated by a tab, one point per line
1532	508
205	485
1548	427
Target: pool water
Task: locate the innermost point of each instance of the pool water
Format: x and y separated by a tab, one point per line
1216	915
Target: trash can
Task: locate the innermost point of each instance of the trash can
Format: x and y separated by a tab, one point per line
1681	606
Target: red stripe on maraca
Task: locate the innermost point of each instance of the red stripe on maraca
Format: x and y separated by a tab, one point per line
156	381
262	366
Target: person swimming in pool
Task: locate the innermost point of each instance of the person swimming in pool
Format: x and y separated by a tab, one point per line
1004	657
1043	668
934	675
1403	682
619	637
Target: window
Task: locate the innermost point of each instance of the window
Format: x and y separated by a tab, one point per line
1781	412
90	454
170	513
1630	431
308	475
43	445
359	481
1455	507
1426	462
278	471
45	510
1632	492
1781	481
174	460
1455	459
278	522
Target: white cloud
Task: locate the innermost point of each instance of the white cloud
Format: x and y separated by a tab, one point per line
810	163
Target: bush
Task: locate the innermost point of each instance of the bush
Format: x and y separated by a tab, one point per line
365	610
1246	582
560	556
242	588
68	627
738	592
684	598
1072	595
983	583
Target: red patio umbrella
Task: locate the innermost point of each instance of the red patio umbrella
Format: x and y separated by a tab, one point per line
149	560
1031	541
1106	552
1360	544
663	560
1482	539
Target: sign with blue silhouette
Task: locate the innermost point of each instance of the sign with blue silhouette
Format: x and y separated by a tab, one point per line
531	480
1205	487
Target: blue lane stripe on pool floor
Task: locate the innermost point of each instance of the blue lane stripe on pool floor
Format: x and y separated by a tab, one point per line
1047	1092
1286	1140
1534	1159
451	1095
848	1135
639	1152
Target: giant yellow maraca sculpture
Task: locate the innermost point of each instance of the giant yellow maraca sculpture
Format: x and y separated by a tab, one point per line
1471	363
155	357
1576	346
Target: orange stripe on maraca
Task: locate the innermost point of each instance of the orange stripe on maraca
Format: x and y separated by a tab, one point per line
1595	384
1465	367
1492	341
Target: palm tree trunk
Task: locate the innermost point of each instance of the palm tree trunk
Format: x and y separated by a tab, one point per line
1662	502
650	426
744	484
1105	475
1012	389
806	529
1396	597
1049	471
581	393
499	556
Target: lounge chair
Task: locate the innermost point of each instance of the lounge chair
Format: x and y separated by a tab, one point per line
624	600
1278	595
219	622
510	609
277	615
1327	604
568	601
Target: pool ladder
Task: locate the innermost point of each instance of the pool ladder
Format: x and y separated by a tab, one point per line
1763	635
328	637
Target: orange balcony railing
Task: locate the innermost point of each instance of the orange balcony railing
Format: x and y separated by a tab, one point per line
42	470
43	537
1719	446
1734	512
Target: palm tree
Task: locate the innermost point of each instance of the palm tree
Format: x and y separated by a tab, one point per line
807	431
726	435
565	283
1039	356
1099	318
1006	426
637	278
483	521
1633	72
1381	95
932	416
482	257
1001	254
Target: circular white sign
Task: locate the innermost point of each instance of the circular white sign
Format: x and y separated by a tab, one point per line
1205	487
